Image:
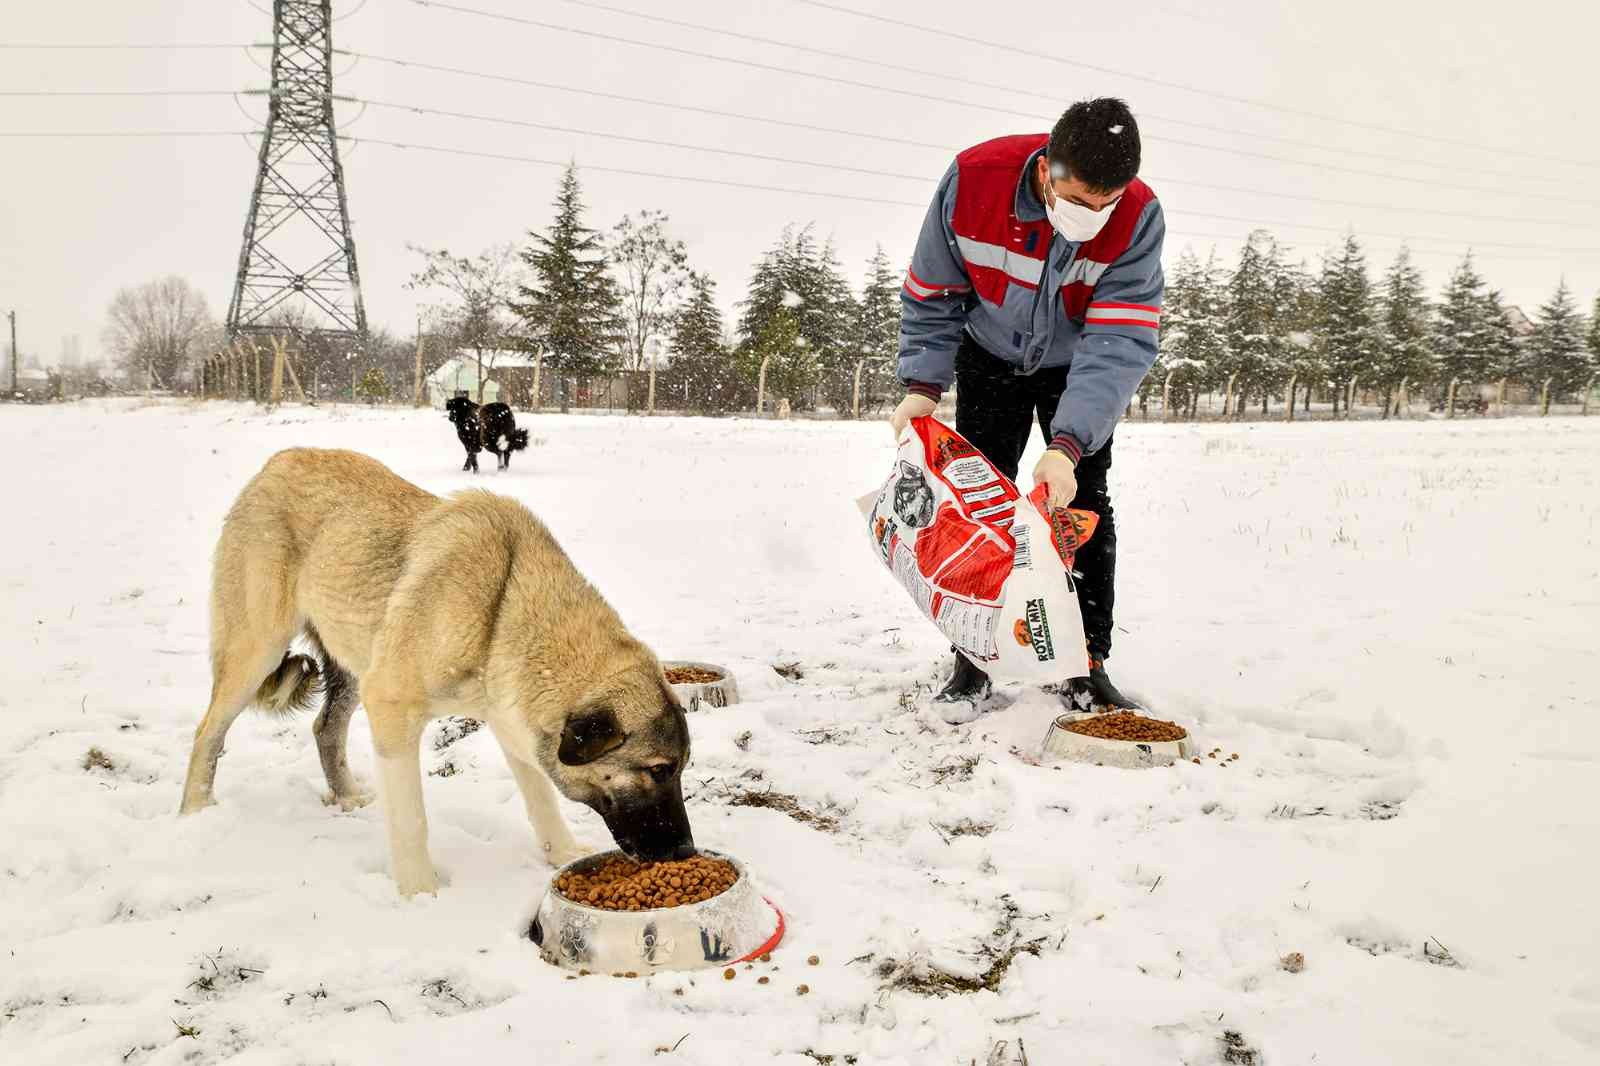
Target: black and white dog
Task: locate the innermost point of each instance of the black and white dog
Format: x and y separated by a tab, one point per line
490	428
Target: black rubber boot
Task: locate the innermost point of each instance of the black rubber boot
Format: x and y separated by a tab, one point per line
962	697
1095	693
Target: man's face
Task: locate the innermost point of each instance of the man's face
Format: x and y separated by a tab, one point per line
1066	187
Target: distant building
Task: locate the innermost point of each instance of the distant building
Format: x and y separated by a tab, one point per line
1520	324
34	384
508	378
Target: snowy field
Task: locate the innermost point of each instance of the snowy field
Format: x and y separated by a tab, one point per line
1394	626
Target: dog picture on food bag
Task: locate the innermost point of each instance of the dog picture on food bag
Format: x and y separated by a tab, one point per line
333	548
913	497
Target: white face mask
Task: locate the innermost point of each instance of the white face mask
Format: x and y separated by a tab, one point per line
1076	222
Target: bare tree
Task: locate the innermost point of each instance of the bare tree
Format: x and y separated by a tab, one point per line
158	327
654	271
475	293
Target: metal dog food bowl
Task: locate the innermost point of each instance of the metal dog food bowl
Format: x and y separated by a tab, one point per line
734	927
698	694
1061	743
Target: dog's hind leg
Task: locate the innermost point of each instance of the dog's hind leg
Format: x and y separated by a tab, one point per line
332	729
236	674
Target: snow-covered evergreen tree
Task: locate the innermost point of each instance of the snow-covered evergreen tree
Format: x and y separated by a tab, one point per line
1505	351
1298	358
1250	327
571	310
1556	349
1405	351
702	376
1346	329
878	332
1464	329
1193	346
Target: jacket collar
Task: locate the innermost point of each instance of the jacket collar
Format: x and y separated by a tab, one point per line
1029	208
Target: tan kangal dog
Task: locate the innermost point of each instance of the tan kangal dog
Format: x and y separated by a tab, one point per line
463	606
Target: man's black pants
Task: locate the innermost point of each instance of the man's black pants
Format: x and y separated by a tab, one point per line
995	410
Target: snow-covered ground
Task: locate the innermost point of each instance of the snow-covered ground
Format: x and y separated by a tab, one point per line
1394	626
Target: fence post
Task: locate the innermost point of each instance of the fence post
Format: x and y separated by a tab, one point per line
1450	401
1166	398
855	397
1544	398
416	387
1500	398
538	368
276	396
1288	414
1227	395
761	385
1588	389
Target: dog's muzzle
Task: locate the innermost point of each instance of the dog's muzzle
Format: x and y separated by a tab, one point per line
655	831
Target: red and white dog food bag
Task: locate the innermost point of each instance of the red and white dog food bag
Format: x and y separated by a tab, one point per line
989	566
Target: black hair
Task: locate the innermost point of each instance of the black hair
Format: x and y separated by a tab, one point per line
1098	143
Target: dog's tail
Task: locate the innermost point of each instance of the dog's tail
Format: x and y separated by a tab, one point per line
292	687
519	439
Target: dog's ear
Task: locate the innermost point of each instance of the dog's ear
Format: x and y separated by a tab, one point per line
589	735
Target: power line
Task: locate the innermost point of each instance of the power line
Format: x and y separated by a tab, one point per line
128	133
636	172
118	92
1198	90
792	161
126	47
697	180
692	179
946	102
895	175
1476	216
959	80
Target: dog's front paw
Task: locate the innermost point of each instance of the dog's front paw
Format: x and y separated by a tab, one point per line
560	852
410	882
348	801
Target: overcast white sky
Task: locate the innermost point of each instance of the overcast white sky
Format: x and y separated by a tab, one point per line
80	218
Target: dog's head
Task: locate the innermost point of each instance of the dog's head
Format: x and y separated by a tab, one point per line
458	408
621	751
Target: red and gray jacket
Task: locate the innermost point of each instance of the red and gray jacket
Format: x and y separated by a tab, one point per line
988	263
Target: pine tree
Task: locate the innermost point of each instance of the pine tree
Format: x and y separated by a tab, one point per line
571	310
833	318
1193	347
799	284
1556	347
1298	307
1594	335
1463	330
1505	352
1251	316
1345	326
1406	355
878	331
702	372
791	365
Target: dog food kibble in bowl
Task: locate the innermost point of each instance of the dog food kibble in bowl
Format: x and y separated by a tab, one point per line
1125	725
621	884
691	675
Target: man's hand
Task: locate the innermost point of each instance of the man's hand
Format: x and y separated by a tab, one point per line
913	406
1056	471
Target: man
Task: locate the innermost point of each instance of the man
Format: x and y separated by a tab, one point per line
1035	289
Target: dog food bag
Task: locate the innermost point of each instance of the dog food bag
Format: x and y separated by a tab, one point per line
988	565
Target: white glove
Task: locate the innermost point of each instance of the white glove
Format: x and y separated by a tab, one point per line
913	406
1056	471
